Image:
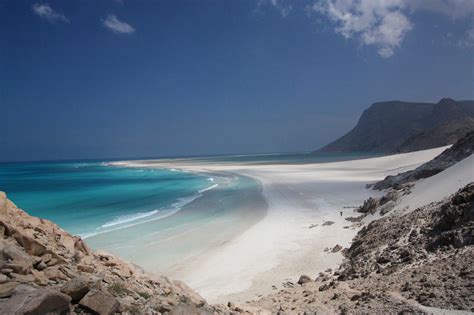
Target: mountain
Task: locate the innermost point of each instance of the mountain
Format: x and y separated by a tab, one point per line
395	126
441	135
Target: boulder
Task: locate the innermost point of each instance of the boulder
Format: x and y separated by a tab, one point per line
41	265
20	267
54	273
3	278
38	302
304	279
22	278
85	268
99	302
13	252
31	246
326	223
39	277
80	246
6	289
186	309
76	288
369	206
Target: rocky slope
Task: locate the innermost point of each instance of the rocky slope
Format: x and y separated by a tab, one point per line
406	263
389	127
442	135
44	269
463	148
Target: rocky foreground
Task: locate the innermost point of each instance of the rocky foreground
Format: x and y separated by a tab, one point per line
46	270
406	263
403	262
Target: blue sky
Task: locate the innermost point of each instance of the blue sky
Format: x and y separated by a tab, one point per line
93	79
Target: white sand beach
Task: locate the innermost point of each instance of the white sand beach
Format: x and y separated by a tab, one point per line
282	246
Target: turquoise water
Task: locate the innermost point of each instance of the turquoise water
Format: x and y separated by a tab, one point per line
87	198
156	218
152	217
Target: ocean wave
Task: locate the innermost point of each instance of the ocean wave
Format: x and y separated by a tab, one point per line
208	188
142	217
211	179
80	165
129	217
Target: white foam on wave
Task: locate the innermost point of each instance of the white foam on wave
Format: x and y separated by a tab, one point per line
142	217
129	217
80	165
211	179
208	188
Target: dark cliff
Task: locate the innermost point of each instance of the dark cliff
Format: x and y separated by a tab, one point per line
390	127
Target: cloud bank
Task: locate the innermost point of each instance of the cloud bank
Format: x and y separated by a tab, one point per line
117	26
45	11
385	23
379	23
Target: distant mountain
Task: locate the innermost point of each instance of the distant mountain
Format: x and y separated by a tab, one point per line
389	127
441	135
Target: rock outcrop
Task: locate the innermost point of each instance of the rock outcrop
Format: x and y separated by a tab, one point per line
462	149
44	269
391	127
397	264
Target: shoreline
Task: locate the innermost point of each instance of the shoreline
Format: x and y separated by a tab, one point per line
281	246
163	245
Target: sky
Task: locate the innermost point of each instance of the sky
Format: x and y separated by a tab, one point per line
113	79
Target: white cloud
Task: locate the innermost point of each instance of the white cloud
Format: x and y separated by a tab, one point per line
284	9
117	26
452	8
281	5
468	38
379	23
384	23
46	12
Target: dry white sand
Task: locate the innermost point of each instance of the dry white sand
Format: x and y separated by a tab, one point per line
281	246
439	186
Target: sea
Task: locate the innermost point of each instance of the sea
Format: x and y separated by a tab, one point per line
155	217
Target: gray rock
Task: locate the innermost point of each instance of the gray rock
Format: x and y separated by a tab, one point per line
31	246
304	279
3	278
99	302
41	265
6	289
336	248
186	309
463	148
39	302
76	288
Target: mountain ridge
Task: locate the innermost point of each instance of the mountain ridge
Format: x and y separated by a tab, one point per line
385	127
